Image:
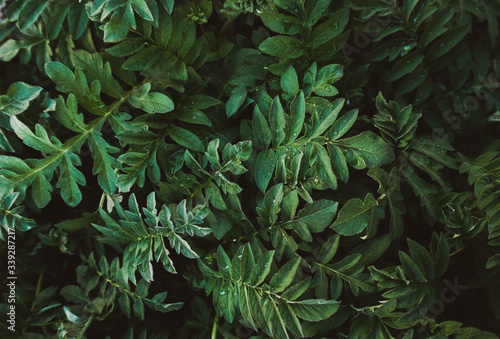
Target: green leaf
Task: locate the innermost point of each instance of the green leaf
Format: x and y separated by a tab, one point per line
247	263
117	27
405	65
18	98
316	216
224	263
447	41
69	179
104	163
67	114
235	101
435	26
141	8
327	76
127	47
328	249
39	141
282	46
277	122
77	20
281	23
372	249
425	191
408	7
150	102
168	5
366	150
76	83
94	68
290	81
411	268
283	278
265	164
262	268
390	185
261	131
314	309
354	216
326	118
185	138
297	116
329	29
422	258
343	124
324	167
440	255
30	13
315	11
9	49
11	217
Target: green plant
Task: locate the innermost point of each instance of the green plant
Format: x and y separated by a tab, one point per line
285	169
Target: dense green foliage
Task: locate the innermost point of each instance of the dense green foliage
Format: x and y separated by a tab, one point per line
251	168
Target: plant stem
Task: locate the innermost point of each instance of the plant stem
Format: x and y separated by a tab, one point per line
85	328
34	303
214	328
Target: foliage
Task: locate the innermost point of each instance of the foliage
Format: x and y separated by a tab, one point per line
250	168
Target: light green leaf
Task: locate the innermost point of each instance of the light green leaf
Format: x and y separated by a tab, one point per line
150	102
39	141
18	97
9	49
